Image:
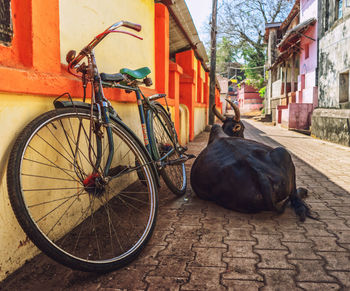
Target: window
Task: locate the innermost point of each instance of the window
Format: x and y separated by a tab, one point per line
326	15
307	51
344	87
339	8
6	31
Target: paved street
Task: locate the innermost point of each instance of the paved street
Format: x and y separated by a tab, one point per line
200	246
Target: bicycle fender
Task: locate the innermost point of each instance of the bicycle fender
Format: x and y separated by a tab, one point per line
78	104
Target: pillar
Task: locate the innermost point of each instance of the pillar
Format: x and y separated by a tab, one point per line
161	48
188	85
175	71
199	82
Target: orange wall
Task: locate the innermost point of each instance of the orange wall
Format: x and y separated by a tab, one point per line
31	65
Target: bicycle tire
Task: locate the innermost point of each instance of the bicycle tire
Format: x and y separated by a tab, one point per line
163	135
97	230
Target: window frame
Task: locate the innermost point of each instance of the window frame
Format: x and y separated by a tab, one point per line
344	90
307	51
339	9
6	27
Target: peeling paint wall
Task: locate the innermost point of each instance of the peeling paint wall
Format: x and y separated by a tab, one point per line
334	59
199	120
331	120
82	20
332	125
79	22
15	246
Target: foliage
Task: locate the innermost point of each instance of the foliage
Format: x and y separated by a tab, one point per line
242	29
225	55
262	92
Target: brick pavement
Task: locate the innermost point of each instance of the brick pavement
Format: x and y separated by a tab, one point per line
201	246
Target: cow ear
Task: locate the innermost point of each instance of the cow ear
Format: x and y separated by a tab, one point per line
237	127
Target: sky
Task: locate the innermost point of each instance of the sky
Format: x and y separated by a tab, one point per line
200	11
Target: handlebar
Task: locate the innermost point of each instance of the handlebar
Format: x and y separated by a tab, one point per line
101	36
131	25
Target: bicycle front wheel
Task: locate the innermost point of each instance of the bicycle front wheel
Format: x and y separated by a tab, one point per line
73	215
166	149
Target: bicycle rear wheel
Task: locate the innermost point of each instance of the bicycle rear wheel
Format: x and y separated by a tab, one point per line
61	202
165	138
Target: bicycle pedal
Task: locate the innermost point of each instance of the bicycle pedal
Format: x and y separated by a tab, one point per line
190	156
178	161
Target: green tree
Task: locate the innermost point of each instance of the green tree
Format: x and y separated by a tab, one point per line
242	23
225	55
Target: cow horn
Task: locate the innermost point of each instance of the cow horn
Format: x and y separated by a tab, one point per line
236	109
217	113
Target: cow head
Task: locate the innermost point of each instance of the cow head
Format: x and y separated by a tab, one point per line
232	126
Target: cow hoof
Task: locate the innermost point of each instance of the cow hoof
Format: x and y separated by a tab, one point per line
302	192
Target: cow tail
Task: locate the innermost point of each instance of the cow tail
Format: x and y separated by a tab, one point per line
300	207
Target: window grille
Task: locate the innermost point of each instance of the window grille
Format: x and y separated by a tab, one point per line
6	31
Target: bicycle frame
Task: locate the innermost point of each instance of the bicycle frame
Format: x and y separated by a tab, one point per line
146	130
103	105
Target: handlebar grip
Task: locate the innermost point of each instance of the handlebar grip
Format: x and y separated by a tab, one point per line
131	25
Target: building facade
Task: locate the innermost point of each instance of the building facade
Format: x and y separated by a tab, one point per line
283	67
330	120
248	98
292	62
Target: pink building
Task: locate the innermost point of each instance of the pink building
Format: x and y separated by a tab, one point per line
307	86
292	54
249	98
297	114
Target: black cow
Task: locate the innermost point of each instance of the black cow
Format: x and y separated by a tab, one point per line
245	175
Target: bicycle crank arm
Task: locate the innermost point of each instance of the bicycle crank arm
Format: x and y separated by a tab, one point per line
182	149
178	161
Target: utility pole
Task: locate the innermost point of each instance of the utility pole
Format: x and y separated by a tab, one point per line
212	61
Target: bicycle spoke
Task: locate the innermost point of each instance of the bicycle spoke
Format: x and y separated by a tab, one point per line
44	164
53	163
47	177
82	174
129	205
74	214
125	235
164	136
79	221
54	136
79	151
55	200
57	151
94	226
54	209
75	140
50	189
62	216
133	198
107	208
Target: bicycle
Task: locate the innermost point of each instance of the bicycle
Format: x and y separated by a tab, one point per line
82	185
